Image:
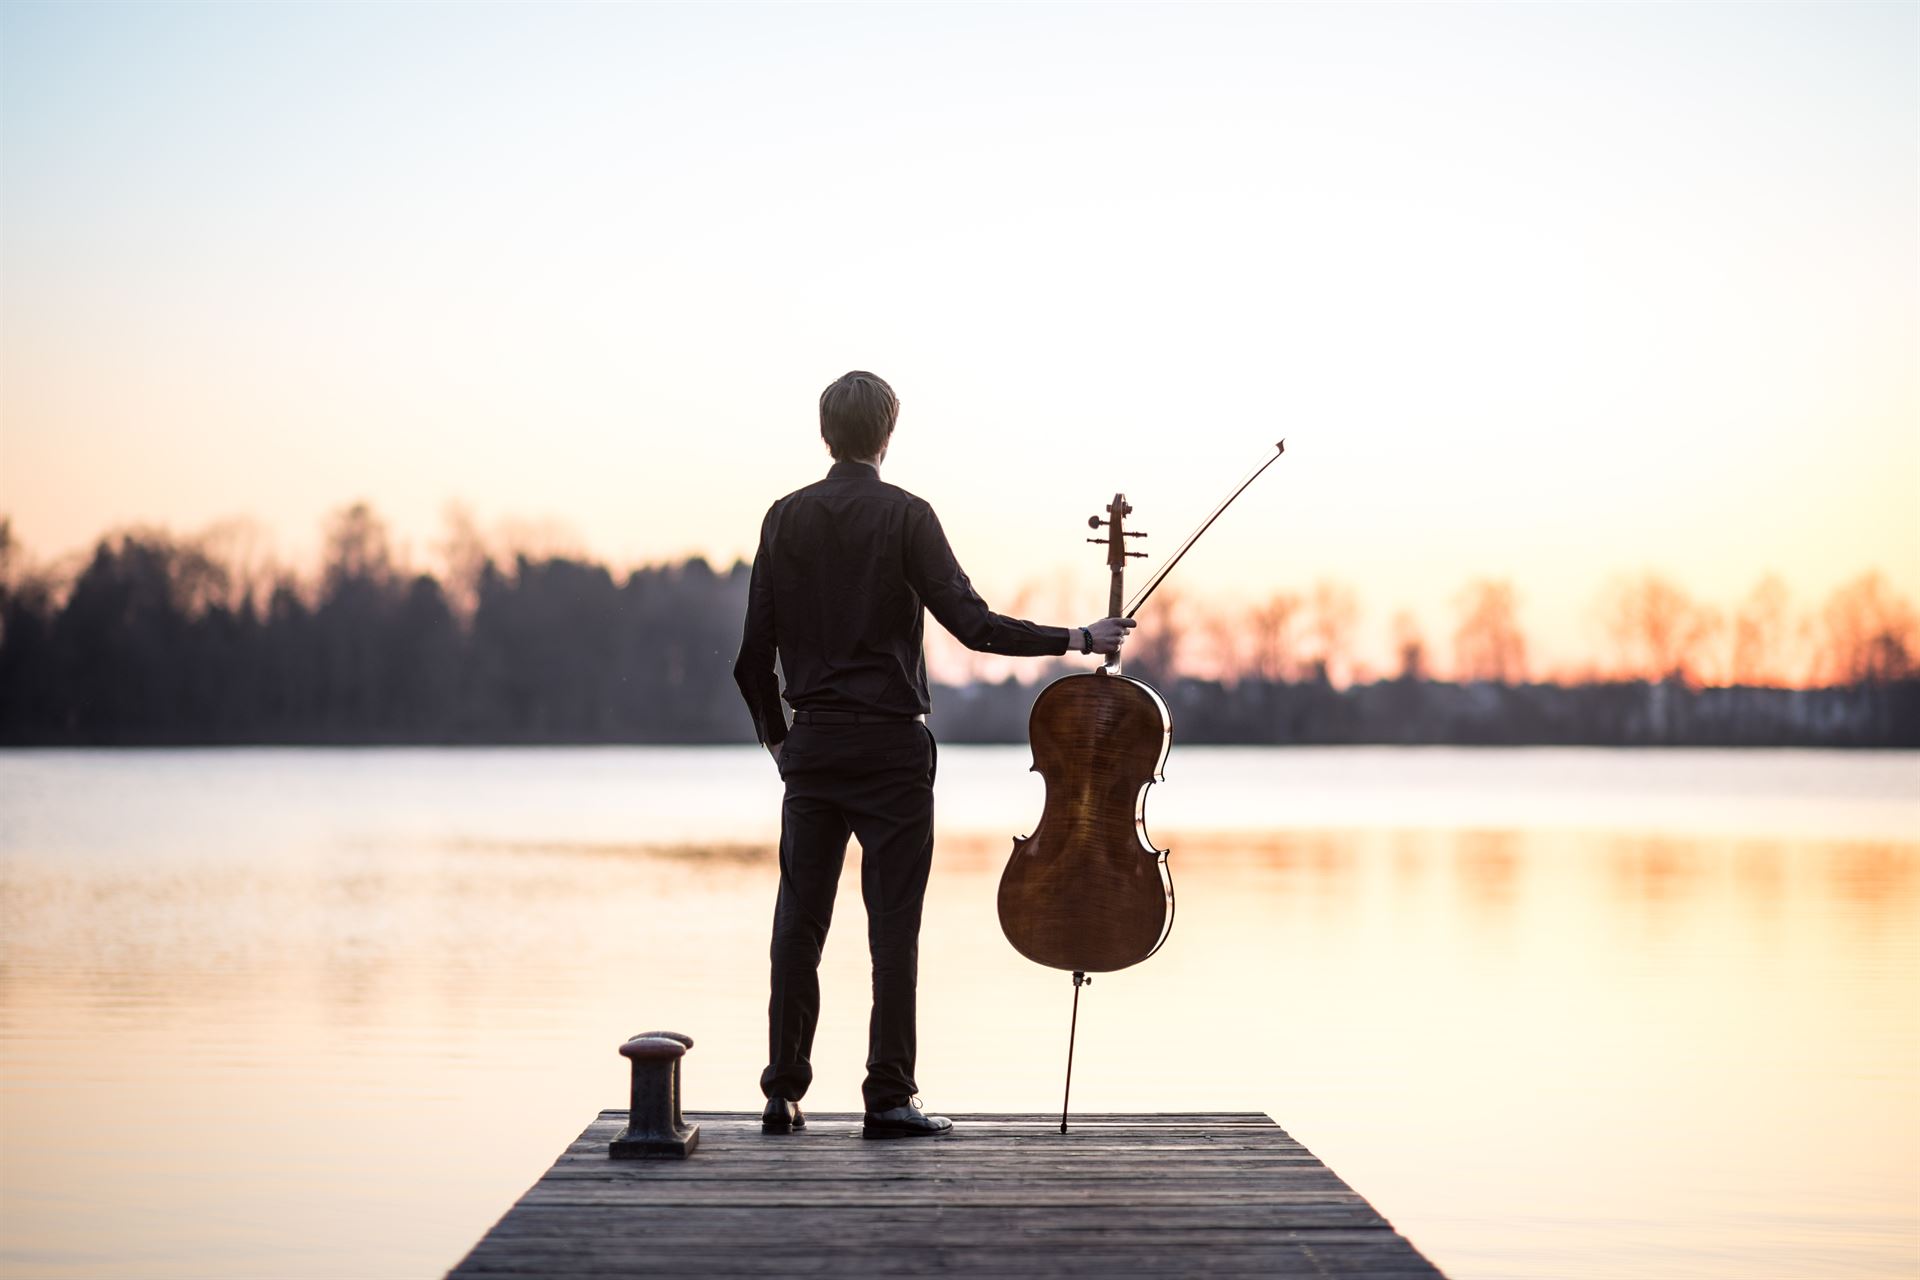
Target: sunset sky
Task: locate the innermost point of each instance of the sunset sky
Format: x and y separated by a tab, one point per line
1548	292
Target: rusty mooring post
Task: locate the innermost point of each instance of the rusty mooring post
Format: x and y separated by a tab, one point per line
654	1127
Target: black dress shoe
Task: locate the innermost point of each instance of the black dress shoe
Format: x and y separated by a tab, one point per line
782	1116
904	1122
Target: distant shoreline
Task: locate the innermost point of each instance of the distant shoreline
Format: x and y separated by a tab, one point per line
1404	713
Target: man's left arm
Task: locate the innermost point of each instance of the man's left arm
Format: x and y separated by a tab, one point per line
753	668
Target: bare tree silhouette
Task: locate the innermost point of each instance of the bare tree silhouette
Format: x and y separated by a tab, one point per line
1332	613
1761	635
1868	633
243	548
1153	650
1273	627
1488	644
1226	637
1409	646
357	553
464	552
1658	631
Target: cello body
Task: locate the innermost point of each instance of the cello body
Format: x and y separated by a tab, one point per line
1087	891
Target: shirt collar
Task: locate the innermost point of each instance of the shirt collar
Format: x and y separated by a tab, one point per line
847	469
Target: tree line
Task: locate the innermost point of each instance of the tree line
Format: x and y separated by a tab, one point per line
164	640
1652	629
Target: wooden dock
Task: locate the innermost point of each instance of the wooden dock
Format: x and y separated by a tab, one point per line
1003	1195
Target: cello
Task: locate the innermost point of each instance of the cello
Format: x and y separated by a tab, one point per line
1088	892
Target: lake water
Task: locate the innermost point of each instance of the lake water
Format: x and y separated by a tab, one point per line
1555	1013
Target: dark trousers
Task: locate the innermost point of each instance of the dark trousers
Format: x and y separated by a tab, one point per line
874	781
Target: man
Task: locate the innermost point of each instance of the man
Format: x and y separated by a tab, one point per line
844	569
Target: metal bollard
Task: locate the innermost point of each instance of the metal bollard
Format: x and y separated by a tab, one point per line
686	1042
654	1127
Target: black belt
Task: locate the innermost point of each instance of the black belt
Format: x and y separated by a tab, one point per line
851	717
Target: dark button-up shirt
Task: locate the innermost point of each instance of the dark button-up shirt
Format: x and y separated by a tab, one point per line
844	569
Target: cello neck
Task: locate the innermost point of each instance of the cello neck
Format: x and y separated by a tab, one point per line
1117	512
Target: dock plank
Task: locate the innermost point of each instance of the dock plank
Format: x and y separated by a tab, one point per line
1224	1193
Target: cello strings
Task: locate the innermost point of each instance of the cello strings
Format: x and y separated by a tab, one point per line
1141	598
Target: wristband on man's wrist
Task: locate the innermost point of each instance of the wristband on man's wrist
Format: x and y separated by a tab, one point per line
1086	640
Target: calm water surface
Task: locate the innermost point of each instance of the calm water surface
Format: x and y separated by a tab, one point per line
1556	1013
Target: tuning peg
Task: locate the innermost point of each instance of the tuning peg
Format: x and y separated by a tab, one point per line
1094	522
1101	541
1136	555
1132	533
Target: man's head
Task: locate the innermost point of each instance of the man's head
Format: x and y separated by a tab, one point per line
857	414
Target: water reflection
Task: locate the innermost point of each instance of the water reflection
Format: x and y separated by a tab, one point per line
1488	866
690	851
1873	873
1541	1051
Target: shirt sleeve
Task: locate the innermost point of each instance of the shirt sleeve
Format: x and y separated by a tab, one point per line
943	587
753	669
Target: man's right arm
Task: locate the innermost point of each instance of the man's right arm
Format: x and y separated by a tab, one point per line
934	573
